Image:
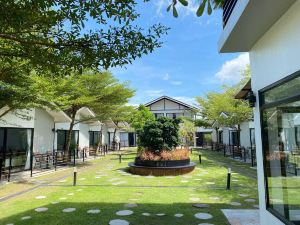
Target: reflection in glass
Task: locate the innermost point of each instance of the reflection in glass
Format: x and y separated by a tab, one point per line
282	159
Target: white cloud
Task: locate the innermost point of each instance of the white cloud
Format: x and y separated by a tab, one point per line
231	70
176	82
154	93
166	77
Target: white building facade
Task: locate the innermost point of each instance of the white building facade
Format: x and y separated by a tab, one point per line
269	31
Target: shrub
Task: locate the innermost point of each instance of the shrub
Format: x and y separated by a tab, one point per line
161	134
178	154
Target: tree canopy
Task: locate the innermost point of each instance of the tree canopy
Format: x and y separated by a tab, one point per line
187	131
140	117
57	34
208	4
160	134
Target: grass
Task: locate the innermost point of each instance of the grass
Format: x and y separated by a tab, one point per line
103	184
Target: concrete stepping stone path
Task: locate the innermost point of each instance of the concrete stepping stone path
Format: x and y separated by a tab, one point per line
69	210
203	216
130	205
200	206
179	215
40	197
124	213
94	211
235	204
43	209
118	222
26	218
54	203
243	195
146	214
160	214
195	199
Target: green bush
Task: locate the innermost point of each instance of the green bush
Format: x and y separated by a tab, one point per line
160	134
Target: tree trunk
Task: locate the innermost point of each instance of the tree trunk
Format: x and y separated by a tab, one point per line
114	140
5	112
69	136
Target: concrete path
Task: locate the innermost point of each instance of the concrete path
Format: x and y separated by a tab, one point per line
242	216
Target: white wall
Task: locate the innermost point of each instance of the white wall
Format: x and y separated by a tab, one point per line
12	120
245	134
84	138
43	135
274	56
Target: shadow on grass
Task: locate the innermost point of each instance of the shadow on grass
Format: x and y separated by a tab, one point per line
55	215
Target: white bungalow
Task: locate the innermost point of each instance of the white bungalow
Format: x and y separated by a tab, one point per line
23	132
269	31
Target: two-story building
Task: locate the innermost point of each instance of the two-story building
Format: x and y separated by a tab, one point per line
172	108
269	31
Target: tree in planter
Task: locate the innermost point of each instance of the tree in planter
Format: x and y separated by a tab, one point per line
187	131
160	134
98	91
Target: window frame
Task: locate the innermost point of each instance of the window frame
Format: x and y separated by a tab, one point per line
262	108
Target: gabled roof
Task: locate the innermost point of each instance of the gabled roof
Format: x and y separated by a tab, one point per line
59	116
170	99
242	94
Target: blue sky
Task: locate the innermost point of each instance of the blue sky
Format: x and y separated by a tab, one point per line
188	64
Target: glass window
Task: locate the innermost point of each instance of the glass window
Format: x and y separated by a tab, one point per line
286	90
95	137
158	115
280	134
124	139
252	138
62	138
1	142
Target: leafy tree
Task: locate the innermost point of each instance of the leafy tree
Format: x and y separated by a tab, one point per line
140	117
57	34
160	134
18	88
120	115
98	91
208	4
215	105
187	131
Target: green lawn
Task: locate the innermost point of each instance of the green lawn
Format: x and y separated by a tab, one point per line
103	184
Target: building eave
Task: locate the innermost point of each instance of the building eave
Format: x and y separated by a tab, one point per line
249	21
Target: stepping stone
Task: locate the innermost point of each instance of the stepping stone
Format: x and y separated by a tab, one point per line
82	178
131	205
187	176
133	199
235	204
169	177
94	211
79	190
124	213
70	194
234	180
243	195
98	177
203	216
26	218
198	179
214	198
201	206
62	181
205	224
146	214
160	214
184	181
195	199
63	198
149	177
54	203
69	210
179	215
10	224
210	183
40	197
250	200
118	183
114	179
41	209
118	222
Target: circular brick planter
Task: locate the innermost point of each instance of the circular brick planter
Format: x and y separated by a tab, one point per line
161	168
